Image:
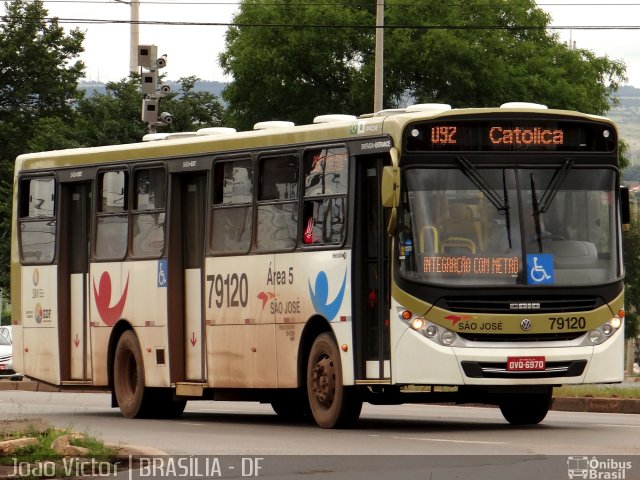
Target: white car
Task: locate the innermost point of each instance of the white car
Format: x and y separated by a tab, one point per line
6	351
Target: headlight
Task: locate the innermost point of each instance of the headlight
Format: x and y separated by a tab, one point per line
595	336
447	337
605	331
433	332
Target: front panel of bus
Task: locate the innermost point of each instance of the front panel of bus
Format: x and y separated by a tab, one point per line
507	257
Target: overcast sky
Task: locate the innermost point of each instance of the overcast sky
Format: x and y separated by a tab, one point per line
194	50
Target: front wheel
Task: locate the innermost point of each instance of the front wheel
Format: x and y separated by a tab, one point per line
526	408
332	404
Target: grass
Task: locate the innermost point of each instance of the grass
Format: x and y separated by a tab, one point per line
42	453
606	391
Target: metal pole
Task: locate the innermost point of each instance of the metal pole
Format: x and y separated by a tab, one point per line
134	39
135	36
379	58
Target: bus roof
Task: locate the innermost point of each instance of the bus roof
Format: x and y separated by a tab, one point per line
386	122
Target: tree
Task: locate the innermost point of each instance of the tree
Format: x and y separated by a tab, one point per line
39	79
295	73
192	110
465	54
100	119
115	117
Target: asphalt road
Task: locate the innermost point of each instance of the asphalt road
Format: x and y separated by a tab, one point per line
455	442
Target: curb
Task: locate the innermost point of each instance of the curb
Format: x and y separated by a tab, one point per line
596	405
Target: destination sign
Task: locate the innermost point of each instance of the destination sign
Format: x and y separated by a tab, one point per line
483	265
500	134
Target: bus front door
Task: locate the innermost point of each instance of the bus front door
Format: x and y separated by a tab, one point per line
73	278
371	281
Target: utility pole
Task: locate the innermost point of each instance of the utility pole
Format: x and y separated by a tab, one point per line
379	57
135	33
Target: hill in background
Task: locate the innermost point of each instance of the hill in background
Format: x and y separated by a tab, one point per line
626	115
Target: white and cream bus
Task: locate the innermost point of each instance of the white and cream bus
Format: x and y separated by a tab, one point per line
320	266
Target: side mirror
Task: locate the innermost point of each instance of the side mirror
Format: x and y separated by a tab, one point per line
625	211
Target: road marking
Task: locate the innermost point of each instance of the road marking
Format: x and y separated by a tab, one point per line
481	442
218	410
615	425
191	423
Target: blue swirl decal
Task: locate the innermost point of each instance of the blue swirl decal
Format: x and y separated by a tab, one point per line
320	297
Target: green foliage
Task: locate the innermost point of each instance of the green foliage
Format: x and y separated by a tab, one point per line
192	110
298	73
465	54
39	79
631	243
103	119
5	317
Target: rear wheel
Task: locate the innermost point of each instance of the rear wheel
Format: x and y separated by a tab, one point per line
526	408
332	404
134	399
128	376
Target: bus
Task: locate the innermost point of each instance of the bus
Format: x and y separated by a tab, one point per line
415	255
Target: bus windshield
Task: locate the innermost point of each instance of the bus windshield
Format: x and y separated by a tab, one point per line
509	226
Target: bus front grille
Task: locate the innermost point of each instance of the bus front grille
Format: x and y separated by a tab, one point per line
520	305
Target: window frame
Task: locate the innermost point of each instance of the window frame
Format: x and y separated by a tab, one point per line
262	157
24	219
222	206
99	214
327	196
135	211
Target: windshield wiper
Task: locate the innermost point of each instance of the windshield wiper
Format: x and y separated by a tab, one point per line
554	185
472	173
501	204
547	197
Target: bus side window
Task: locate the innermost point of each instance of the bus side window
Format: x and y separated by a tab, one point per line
112	223
37	220
149	212
277	211
325	201
232	206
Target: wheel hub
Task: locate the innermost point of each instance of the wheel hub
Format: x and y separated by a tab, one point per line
324	381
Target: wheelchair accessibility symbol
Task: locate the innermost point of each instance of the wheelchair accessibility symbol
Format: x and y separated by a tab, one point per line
539	268
162	273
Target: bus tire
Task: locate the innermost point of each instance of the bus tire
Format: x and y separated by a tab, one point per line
292	406
128	376
162	404
526	408
332	404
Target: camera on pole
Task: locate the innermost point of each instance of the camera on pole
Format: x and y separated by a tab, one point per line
149	64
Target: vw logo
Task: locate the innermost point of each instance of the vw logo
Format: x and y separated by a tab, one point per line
526	324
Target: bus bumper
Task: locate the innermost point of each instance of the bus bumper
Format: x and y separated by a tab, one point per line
419	361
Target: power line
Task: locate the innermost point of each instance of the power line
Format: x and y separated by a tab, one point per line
369	4
94	21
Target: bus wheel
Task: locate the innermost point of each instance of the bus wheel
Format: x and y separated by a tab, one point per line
128	376
332	404
526	408
292	406
162	404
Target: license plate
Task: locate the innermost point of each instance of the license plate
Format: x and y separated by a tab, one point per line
525	363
